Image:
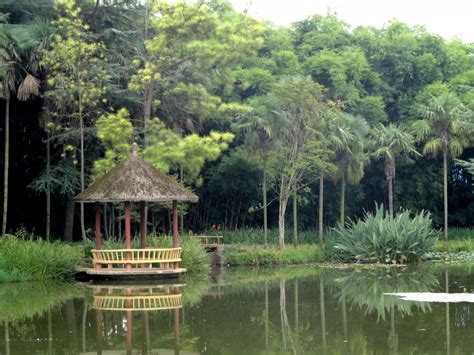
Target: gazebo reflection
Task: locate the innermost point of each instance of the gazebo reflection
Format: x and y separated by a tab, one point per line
142	299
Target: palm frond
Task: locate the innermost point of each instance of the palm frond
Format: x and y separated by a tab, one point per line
28	87
433	147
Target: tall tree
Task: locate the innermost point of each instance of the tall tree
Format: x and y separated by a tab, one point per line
76	77
301	104
15	78
262	127
446	128
393	144
348	139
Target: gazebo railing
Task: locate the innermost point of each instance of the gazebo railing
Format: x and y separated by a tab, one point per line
165	257
138	303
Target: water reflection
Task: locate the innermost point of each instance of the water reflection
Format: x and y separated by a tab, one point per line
253	311
128	299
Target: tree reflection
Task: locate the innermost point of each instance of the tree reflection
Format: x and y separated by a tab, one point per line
366	289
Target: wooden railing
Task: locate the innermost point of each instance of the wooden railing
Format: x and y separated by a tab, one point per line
165	257
137	303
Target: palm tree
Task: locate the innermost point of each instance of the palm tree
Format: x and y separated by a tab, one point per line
261	126
446	127
348	139
14	77
392	143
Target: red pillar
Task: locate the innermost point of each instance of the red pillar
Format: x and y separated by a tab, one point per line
97	226
129	321
175	224
175	229
129	330
142	225
128	238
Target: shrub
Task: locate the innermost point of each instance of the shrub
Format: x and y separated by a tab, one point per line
258	255
28	259
381	238
194	257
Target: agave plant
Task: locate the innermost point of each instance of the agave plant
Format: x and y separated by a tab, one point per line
380	238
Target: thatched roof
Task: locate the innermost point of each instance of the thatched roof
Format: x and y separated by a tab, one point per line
135	180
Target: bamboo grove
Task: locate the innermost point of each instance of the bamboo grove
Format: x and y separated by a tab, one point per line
318	118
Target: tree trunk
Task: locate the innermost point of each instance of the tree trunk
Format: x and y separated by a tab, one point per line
69	223
48	188
390	196
295	218
147	102
5	166
181	212
321	209
81	122
281	219
343	199
265	210
445	189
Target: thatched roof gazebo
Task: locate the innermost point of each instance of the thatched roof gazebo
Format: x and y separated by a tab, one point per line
136	181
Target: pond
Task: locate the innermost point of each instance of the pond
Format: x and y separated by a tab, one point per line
244	311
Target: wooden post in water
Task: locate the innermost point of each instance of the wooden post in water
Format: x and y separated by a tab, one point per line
97	226
142	225
128	238
176	330
98	330
175	229
129	331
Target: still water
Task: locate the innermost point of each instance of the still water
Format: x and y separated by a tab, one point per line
305	310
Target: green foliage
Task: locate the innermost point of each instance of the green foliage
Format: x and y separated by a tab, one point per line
28	259
446	125
347	139
166	150
383	239
115	131
258	255
203	67
74	62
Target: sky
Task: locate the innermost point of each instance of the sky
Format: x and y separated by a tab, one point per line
448	18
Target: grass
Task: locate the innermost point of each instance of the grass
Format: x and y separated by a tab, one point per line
272	255
254	236
454	245
460	233
35	259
